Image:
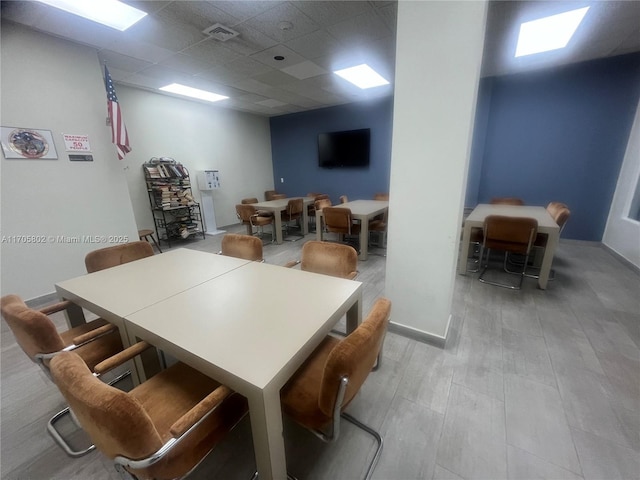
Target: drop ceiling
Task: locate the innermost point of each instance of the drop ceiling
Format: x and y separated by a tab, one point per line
314	37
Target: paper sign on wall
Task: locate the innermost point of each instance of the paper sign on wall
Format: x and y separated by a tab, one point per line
76	143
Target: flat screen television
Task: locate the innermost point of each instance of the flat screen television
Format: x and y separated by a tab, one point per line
349	148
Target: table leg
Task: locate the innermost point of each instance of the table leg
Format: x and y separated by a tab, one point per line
74	315
549	252
249	229
266	427
354	315
464	252
319	225
277	224
364	239
305	220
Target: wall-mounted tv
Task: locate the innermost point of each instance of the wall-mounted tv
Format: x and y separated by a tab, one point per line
344	149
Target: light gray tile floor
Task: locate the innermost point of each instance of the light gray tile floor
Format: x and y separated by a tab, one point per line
531	385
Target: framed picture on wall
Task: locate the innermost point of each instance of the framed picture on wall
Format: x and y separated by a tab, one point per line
27	143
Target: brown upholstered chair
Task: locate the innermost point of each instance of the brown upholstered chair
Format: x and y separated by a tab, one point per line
252	200
506	201
329	259
117	255
242	246
311	208
278	196
511	235
339	220
560	214
381	196
268	195
162	428
293	213
36	334
325	384
344	199
250	217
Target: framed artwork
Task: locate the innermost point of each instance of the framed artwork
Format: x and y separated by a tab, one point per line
27	143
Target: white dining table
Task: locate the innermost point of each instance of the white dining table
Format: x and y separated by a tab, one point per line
279	206
249	326
546	225
362	210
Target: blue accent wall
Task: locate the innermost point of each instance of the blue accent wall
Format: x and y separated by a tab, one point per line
294	147
558	135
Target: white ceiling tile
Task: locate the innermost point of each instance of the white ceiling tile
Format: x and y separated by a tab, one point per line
249	41
270	22
267	57
141	50
166	75
212	52
160	31
275	78
271	103
316	44
186	63
361	29
304	70
122	62
328	13
244	10
200	14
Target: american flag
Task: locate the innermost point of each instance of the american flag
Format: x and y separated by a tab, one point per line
119	135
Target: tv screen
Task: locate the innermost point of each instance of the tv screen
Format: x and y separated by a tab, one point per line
344	149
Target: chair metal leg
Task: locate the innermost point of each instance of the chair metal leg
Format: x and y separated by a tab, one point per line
377	437
503	285
61	441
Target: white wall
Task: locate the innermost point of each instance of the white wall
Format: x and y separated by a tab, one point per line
622	234
201	137
434	105
54	85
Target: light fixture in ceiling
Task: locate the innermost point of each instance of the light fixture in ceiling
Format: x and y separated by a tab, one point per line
192	92
111	13
548	33
362	76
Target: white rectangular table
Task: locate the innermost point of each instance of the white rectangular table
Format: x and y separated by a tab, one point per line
116	292
250	325
363	210
546	225
279	206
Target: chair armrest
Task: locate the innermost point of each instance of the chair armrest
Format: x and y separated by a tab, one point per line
93	334
56	307
119	358
206	405
291	264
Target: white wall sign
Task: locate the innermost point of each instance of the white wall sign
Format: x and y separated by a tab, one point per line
76	143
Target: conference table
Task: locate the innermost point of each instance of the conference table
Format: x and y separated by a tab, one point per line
279	206
248	325
363	210
546	225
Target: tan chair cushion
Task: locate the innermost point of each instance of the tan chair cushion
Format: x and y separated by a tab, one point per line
329	259
310	394
136	424
338	220
117	255
513	234
242	246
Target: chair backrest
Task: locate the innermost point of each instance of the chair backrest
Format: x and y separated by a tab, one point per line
33	330
248	201
268	195
344	199
242	246
381	196
337	219
245	212
117	255
320	203
278	196
506	201
333	259
116	422
515	234
354	357
559	212
294	207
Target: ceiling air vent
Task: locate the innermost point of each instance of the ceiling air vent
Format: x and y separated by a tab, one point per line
220	32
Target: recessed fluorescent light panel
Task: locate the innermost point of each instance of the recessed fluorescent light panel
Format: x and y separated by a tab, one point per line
111	13
362	76
193	92
548	33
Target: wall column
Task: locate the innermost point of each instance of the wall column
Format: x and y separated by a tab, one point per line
438	58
